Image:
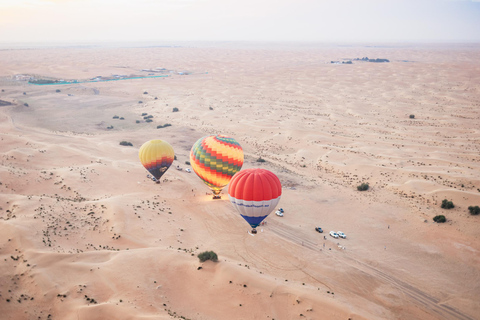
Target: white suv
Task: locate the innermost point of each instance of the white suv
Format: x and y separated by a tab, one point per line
334	234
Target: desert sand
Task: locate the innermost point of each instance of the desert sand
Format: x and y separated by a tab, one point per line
84	234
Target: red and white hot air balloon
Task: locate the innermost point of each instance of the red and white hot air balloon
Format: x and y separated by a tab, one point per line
254	193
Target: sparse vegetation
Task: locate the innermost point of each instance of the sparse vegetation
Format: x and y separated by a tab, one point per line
144	114
149	120
122	118
447	204
110	127
440	218
412	116
115	117
26	104
58	90
137	121
164	126
261	160
474	210
148	117
210	108
145	92
363	187
207	255
126	143
175	109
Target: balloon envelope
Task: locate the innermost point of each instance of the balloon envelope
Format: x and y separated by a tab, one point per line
156	156
254	193
215	159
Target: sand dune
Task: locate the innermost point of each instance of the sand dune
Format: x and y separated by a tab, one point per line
84	234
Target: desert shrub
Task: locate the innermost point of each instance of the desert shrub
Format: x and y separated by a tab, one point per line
140	101
58	90
115	117
440	218
187	162
474	210
145	92
164	126
175	109
110	127
137	121
261	160
25	104
207	255
363	187
149	120
148	117
210	108
156	98
126	143
447	204
144	114
122	118
412	116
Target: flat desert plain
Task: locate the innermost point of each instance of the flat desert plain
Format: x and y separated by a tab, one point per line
84	234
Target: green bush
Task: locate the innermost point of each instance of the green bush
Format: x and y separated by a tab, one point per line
126	143
144	114
115	117
149	120
412	116
363	187
207	255
175	109
474	210
440	219
447	204
261	160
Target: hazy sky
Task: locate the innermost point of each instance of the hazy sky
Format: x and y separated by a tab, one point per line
239	20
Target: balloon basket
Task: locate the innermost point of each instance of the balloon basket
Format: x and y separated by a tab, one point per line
217	197
254	231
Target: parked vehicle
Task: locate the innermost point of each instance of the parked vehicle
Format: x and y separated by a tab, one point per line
188	170
341	234
319	230
334	234
279	213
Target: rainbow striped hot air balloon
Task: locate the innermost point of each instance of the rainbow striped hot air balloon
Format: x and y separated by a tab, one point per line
215	159
156	156
254	193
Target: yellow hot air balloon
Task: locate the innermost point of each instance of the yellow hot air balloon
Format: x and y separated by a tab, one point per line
215	159
156	156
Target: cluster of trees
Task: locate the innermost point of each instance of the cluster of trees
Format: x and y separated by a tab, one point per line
474	210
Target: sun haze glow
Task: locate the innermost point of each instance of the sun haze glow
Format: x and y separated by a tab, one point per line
248	20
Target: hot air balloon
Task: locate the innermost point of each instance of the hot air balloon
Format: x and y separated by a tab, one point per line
156	156
254	193
215	159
